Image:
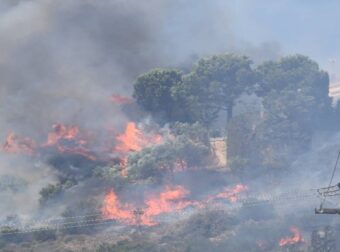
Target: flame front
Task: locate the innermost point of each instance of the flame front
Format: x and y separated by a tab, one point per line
69	134
61	132
171	200
231	194
113	209
296	238
130	140
120	100
19	145
69	139
134	140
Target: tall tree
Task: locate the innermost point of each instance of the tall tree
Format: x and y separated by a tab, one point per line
296	103
152	91
214	84
307	85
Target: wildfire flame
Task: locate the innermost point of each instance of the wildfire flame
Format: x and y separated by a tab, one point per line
60	132
120	100
173	199
69	139
17	144
130	140
232	194
296	238
134	140
113	209
64	138
70	134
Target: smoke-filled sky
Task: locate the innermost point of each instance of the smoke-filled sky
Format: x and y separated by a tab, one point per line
299	26
60	60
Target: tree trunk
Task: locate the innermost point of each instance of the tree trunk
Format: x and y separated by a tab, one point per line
229	116
230	112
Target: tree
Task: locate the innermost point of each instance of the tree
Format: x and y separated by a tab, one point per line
190	148
305	87
49	192
242	151
335	118
295	102
152	91
214	84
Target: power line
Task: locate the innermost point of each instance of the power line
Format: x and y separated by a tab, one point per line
72	222
331	180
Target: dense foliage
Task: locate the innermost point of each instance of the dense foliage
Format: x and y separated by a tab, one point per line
268	136
294	104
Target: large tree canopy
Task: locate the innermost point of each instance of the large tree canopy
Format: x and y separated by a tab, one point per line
214	84
295	103
294	93
300	76
152	91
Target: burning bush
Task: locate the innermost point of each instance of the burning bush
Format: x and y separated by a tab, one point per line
153	163
189	147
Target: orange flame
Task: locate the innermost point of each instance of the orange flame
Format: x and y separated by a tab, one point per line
120	100
296	238
70	133
69	139
60	132
27	146
17	144
113	209
232	194
130	140
171	200
78	151
133	139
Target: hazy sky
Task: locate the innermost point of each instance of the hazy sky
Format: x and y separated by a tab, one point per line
62	59
300	26
74	53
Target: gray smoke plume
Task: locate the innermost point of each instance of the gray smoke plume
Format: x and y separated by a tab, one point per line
61	61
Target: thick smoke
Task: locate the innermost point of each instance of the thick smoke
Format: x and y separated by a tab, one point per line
61	61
